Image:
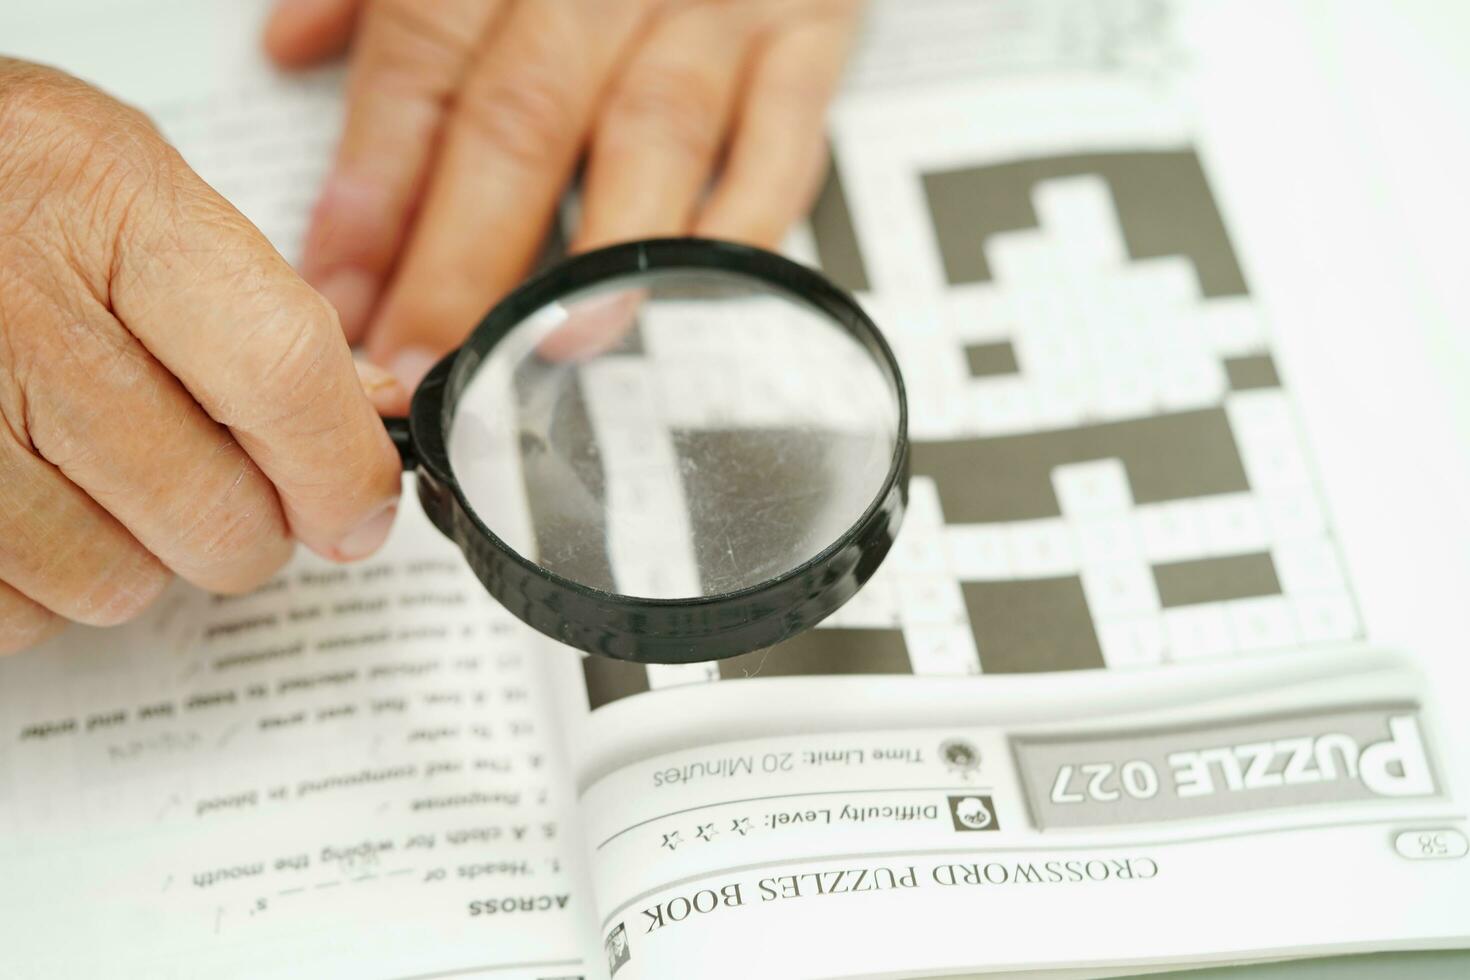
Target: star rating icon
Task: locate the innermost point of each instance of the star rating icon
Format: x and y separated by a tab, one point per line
672	840
741	826
707	832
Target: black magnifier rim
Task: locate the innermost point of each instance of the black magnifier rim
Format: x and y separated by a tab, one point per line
634	628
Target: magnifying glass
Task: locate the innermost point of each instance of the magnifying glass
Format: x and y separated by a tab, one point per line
667	451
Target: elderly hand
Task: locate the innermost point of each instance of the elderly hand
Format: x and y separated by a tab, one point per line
467	118
173	398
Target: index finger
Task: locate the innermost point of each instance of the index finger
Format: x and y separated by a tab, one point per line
509	148
262	353
407	58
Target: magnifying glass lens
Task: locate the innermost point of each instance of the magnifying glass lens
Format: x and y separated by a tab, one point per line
675	434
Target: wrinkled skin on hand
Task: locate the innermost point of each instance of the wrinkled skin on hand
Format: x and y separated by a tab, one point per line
174	399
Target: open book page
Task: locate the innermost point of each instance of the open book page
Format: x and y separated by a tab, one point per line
351	773
1118	306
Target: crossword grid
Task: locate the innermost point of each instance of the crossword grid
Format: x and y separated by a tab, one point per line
1106	338
1107	471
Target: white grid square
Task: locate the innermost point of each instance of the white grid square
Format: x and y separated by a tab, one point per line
1198	632
1097	487
1120	589
1266	623
1136	641
1041	548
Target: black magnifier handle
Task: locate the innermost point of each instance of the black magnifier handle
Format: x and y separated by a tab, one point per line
418	436
402	436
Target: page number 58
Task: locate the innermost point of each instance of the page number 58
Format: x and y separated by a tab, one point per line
1429	845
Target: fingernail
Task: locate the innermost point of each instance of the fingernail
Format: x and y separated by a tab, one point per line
385	392
368	536
352	292
411	364
374	379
